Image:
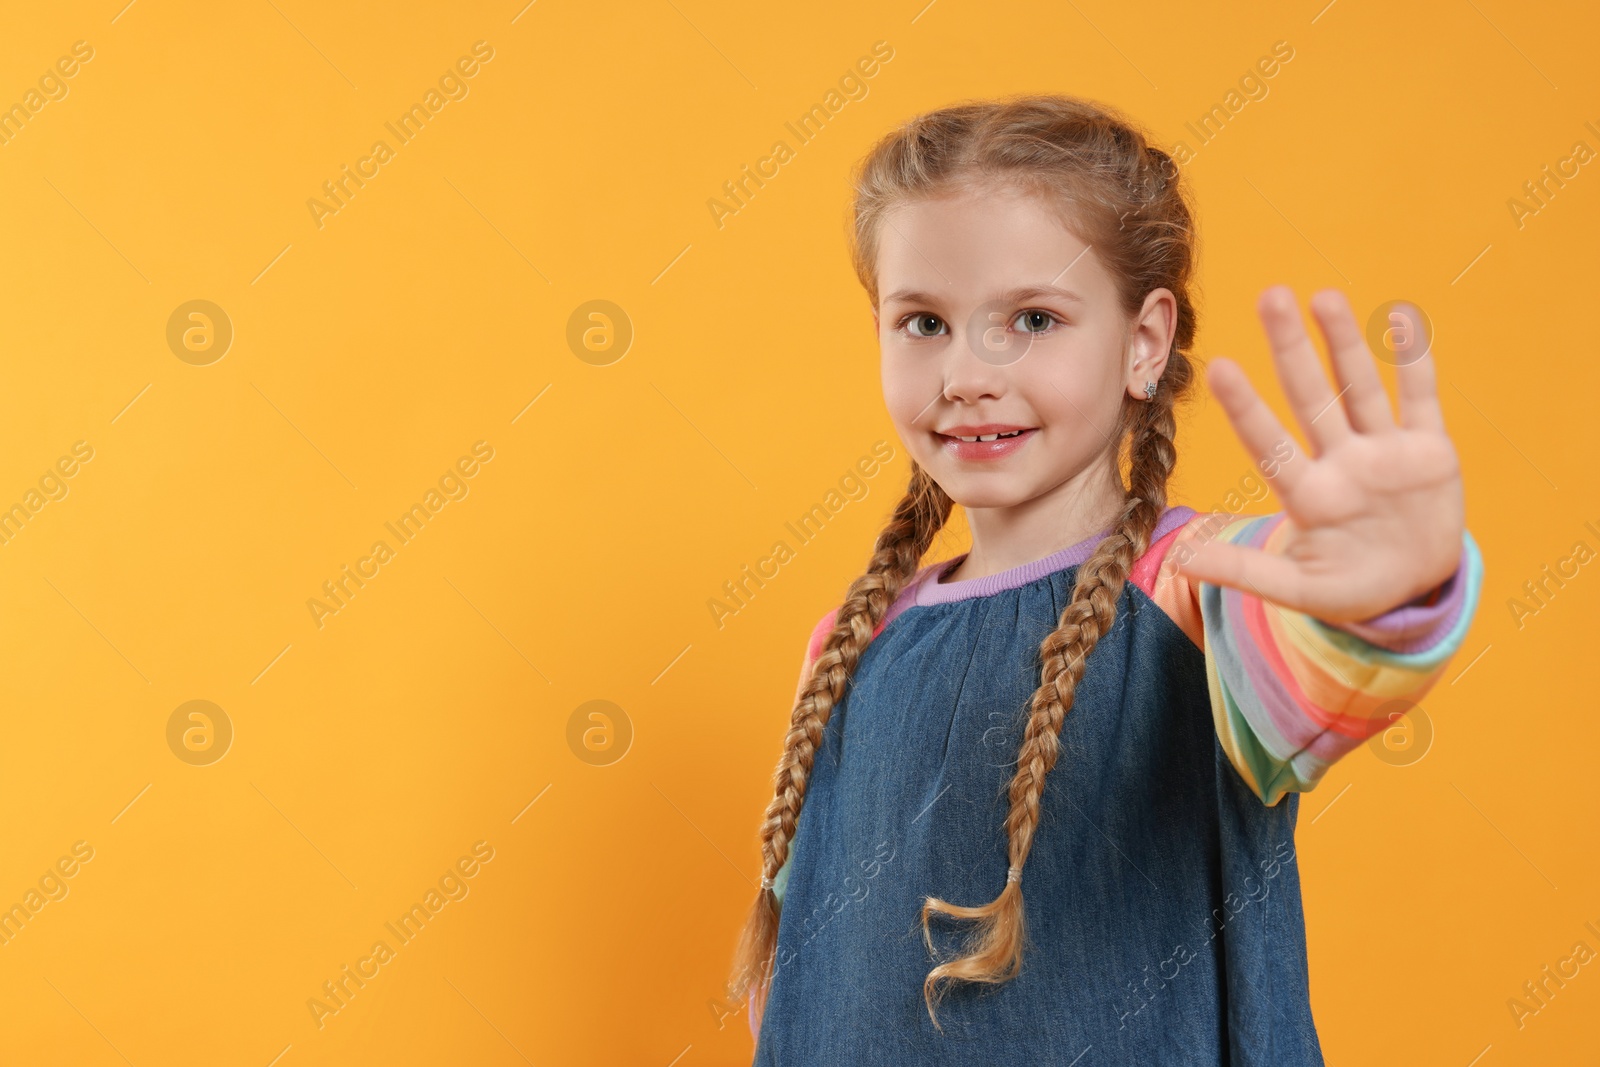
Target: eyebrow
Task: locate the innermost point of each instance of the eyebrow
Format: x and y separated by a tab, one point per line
1011	296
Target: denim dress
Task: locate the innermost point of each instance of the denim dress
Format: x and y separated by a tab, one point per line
1162	897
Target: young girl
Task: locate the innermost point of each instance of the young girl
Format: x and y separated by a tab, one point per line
1121	725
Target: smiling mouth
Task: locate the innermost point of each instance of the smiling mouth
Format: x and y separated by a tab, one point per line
986	437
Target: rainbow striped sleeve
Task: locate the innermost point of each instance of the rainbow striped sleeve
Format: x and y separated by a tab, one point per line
1291	694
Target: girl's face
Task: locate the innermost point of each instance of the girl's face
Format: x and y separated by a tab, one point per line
996	319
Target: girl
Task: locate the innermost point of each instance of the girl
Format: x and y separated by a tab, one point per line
1029	264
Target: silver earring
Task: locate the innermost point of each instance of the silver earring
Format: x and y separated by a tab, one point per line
1149	390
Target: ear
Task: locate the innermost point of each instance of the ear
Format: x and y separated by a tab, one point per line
1150	340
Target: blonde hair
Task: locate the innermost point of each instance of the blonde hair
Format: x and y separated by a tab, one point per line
1123	197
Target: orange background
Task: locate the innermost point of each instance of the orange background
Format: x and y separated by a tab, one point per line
371	753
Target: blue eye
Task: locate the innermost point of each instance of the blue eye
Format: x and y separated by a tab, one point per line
1031	320
923	319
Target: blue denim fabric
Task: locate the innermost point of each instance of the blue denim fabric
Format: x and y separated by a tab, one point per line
1162	897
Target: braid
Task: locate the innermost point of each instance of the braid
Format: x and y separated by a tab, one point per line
994	949
919	516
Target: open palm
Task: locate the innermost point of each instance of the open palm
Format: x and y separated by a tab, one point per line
1375	513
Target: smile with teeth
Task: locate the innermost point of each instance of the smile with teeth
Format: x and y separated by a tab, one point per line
990	436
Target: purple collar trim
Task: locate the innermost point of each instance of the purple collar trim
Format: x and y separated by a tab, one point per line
929	590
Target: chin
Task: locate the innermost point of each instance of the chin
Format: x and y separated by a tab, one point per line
983	491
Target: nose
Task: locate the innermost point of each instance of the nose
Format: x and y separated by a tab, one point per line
971	372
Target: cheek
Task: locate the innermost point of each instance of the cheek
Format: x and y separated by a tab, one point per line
908	385
1068	395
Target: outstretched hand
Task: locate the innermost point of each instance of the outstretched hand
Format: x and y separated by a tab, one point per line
1375	513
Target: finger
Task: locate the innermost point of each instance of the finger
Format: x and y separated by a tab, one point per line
1304	381
1250	570
1366	401
1419	391
1264	437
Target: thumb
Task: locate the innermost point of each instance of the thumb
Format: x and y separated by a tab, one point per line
1249	570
